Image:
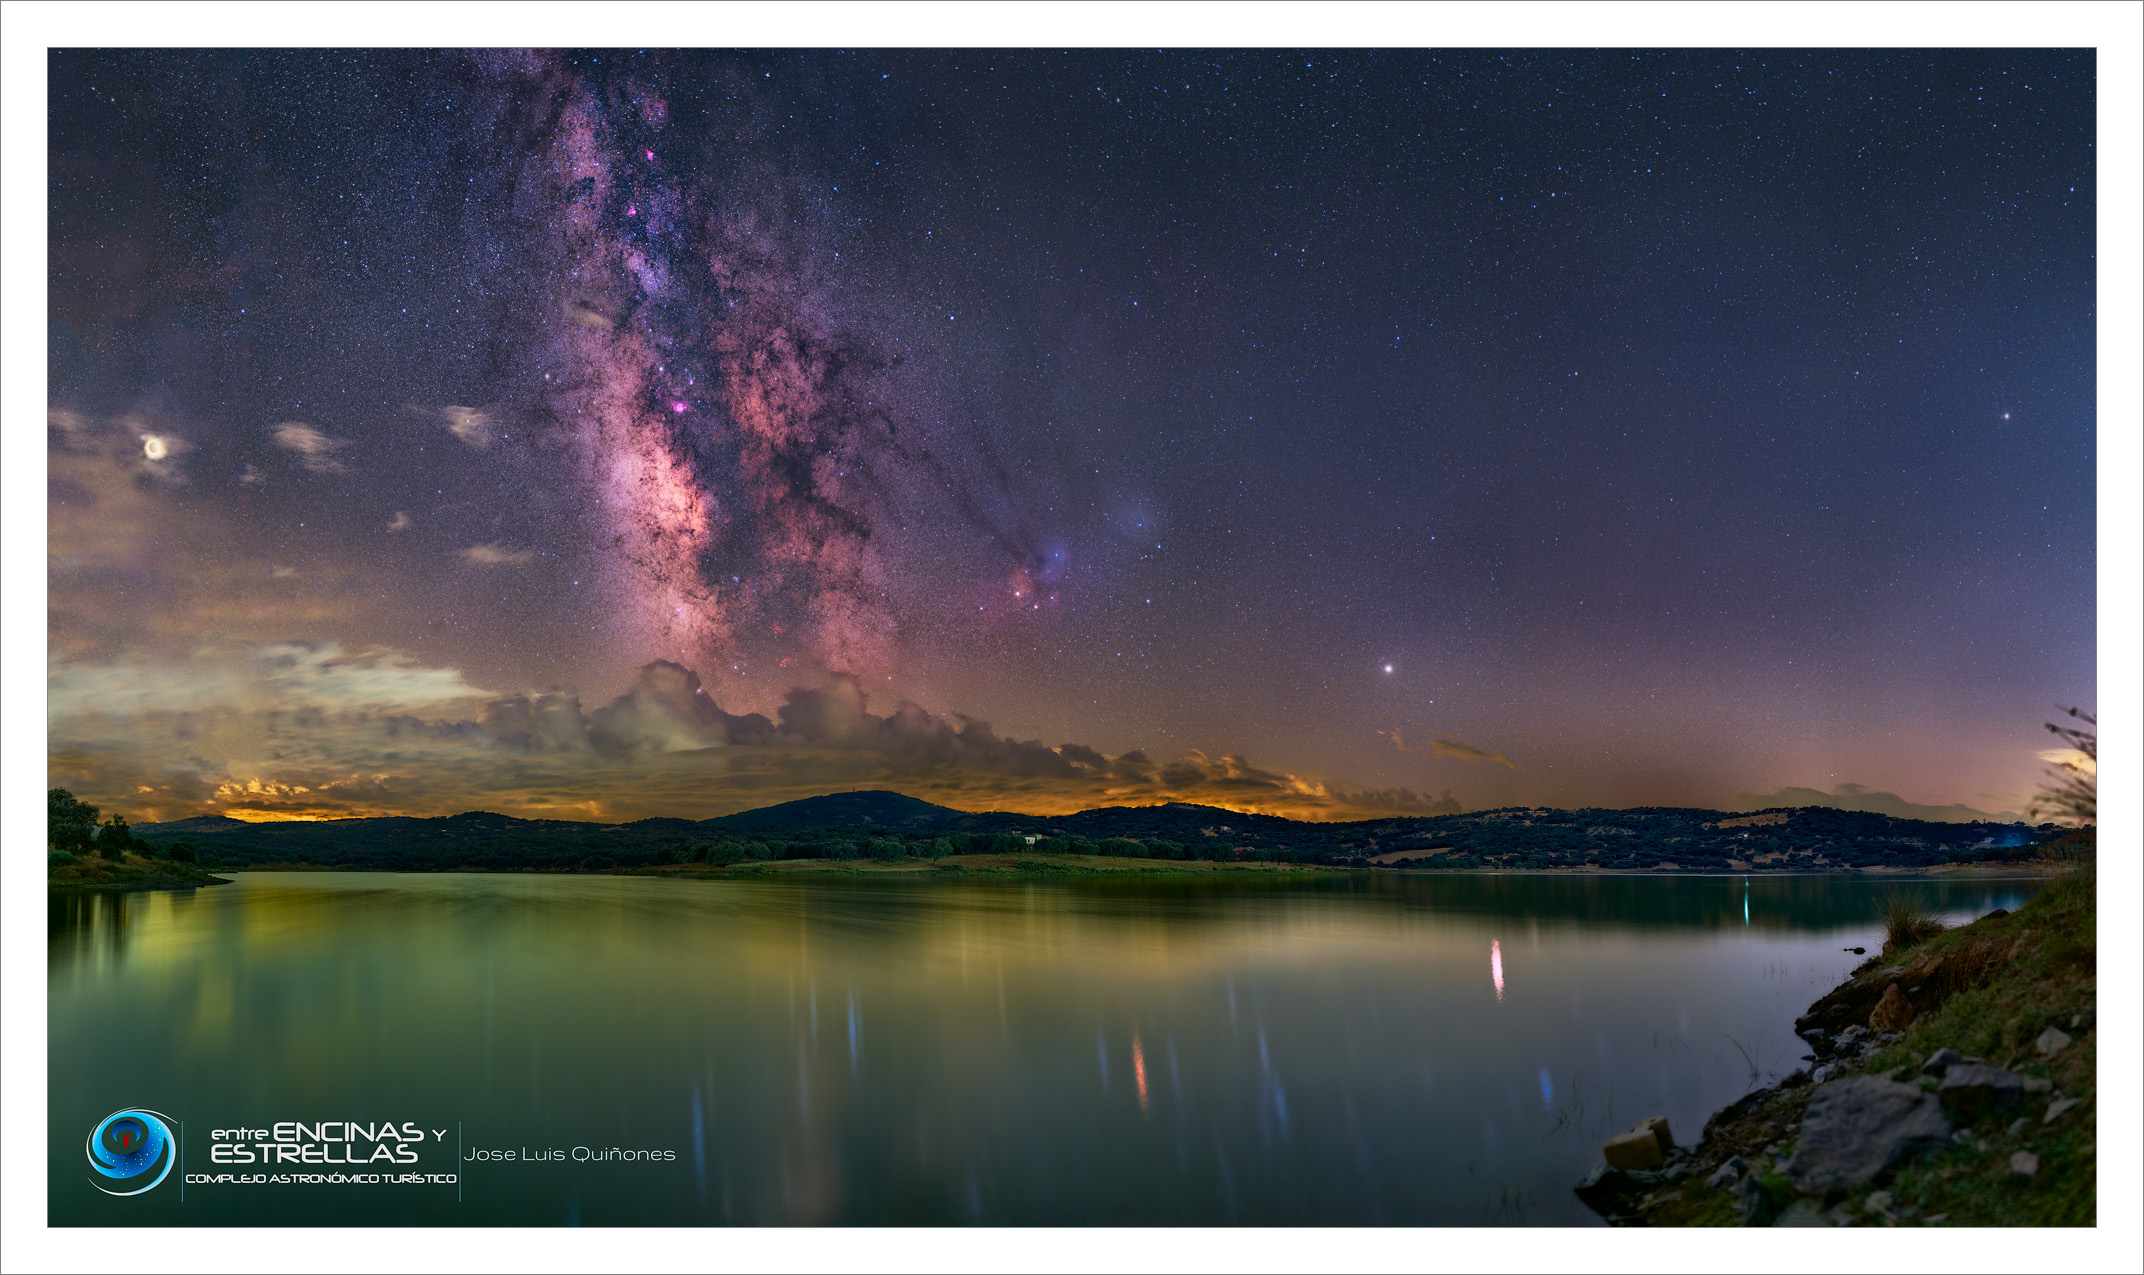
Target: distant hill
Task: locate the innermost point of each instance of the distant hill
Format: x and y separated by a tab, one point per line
843	825
876	808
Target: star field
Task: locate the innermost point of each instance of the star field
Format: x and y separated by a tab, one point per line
1637	427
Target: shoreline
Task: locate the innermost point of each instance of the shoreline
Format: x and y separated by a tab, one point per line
1904	1115
959	868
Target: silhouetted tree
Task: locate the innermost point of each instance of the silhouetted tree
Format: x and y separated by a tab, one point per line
70	823
115	838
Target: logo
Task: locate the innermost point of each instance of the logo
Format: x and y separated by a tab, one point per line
131	1148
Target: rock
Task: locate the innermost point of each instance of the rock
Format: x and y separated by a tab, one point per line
1803	1213
1890	1037
2058	1108
1824	1073
2017	1126
1858	951
1858	1127
1638	1149
1999	912
1945	1057
1729	1173
1892	1012
2052	1041
1878	1202
1970	1088
2037	1084
1659	1126
2025	1164
1795	1079
1750	1199
1852	1034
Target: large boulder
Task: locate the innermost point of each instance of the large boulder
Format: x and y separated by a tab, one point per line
1638	1149
1659	1126
1892	1013
1856	1128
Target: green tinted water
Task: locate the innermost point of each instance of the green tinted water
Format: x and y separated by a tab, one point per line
1358	1050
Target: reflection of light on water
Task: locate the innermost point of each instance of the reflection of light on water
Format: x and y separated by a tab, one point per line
1139	1071
699	1142
1273	1085
1548	1091
1101	1059
1496	967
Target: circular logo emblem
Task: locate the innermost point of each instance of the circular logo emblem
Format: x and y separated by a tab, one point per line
132	1149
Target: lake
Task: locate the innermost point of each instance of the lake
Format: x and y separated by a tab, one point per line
1322	1049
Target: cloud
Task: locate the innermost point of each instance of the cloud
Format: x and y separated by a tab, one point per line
400	522
315	449
1856	797
2071	759
275	677
495	555
476	426
298	730
1451	747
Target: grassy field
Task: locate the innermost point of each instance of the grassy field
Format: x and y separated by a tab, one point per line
128	872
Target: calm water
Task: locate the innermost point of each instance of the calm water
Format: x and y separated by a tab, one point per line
1351	1050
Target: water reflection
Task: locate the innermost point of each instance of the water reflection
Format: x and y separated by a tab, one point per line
1329	1056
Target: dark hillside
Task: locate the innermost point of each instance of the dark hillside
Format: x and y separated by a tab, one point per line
857	824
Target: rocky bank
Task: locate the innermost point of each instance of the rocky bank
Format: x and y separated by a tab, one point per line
1948	1082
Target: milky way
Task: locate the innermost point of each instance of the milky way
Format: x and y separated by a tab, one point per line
739	432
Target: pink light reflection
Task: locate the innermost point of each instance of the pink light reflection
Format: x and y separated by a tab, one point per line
1139	1071
1496	967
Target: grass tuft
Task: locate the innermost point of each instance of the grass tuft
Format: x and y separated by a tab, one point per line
1906	922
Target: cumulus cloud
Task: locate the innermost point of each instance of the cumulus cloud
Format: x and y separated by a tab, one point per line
1448	746
298	730
315	448
1856	797
497	555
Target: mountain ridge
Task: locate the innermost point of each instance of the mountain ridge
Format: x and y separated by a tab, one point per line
840	825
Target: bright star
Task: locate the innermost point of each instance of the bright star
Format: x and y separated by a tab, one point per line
153	447
1388	668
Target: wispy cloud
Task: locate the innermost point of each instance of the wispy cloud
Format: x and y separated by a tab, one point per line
315	449
1450	747
400	522
496	555
476	426
2071	759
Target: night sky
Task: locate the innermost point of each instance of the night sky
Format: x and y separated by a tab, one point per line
599	435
